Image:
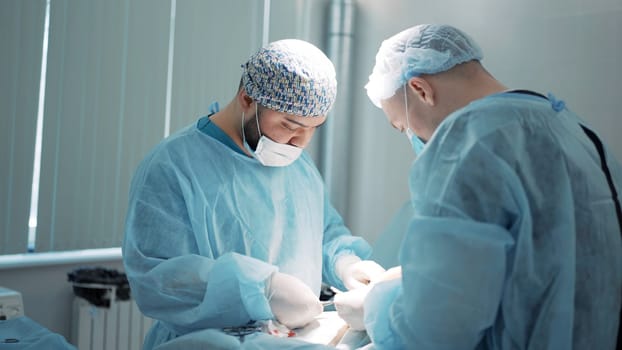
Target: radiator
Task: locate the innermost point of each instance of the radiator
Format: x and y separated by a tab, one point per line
122	326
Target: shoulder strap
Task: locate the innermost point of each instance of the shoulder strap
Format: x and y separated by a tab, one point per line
614	193
527	92
605	168
603	164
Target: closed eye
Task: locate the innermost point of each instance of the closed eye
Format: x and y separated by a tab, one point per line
290	127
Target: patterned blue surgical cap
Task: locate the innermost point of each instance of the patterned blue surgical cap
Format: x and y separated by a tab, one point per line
291	76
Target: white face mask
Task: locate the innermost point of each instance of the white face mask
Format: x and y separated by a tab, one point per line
268	152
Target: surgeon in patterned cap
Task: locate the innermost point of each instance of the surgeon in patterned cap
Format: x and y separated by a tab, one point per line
228	225
294	83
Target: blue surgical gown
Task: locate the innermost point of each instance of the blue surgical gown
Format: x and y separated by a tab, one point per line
514	241
23	333
207	225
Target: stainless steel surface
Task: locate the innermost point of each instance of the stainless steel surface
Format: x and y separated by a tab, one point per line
335	146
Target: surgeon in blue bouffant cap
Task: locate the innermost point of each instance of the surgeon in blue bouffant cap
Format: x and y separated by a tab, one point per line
228	221
515	234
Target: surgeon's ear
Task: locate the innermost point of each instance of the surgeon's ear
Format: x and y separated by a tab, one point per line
244	100
423	90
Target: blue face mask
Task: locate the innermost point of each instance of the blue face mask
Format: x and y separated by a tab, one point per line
416	143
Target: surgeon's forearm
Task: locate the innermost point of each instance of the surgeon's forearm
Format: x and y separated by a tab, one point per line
205	293
337	248
378	316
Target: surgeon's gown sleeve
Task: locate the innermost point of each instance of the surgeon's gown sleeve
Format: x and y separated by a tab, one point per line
186	291
453	266
338	241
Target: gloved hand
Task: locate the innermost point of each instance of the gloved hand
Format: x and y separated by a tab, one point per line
292	302
356	273
391	274
349	306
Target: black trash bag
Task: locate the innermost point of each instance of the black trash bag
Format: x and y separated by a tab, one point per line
95	284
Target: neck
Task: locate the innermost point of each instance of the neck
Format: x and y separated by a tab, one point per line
229	120
461	93
457	91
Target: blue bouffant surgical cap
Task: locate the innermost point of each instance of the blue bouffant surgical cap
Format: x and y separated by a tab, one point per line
291	76
422	49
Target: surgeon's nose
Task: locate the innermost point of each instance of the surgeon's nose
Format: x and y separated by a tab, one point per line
302	137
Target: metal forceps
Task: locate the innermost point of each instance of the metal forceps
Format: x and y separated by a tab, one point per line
242	331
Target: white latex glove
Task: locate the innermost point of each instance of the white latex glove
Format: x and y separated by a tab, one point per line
391	274
292	302
349	306
357	273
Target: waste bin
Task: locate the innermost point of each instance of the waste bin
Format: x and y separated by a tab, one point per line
99	285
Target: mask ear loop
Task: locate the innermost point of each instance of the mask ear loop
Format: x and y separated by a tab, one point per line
406	106
243	133
257	119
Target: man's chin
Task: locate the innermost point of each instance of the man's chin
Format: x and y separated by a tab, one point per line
251	134
252	142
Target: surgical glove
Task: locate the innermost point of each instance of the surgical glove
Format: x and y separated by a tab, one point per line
292	302
356	273
390	274
349	306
